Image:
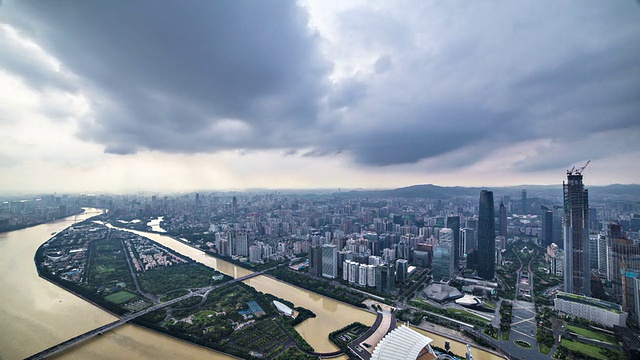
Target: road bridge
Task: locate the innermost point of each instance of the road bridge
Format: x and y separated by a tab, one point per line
125	319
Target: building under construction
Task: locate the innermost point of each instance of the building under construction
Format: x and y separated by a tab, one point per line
576	234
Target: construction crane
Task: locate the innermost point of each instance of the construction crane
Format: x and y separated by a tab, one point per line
579	170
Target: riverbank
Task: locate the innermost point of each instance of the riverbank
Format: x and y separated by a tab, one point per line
8	229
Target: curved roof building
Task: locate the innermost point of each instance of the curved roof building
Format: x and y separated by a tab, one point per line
403	344
283	308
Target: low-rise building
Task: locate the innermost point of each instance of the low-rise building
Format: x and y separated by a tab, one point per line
592	309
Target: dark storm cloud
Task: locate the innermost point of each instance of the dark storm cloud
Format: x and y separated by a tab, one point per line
181	66
429	132
422	82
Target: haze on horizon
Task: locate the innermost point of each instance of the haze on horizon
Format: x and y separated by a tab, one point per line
191	95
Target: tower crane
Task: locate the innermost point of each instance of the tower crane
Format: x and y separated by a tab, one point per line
579	170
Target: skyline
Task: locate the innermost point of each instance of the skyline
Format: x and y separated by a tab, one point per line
227	96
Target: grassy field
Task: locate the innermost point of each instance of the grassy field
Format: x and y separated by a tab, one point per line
120	297
586	349
467	314
592	334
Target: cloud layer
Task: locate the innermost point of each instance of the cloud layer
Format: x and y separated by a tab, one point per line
385	84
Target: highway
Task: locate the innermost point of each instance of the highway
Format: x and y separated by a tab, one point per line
123	320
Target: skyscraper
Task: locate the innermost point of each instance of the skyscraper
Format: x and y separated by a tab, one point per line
315	260
329	261
576	235
503	220
525	210
453	223
547	228
486	236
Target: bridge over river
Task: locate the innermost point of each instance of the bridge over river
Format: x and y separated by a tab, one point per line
123	320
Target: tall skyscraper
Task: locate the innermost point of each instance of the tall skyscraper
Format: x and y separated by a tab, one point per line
503	220
329	261
442	264
315	260
525	209
402	269
385	279
547	228
486	236
453	223
576	235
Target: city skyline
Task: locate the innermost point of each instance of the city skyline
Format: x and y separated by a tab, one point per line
310	94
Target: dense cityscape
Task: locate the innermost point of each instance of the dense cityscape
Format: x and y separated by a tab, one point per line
489	269
303	179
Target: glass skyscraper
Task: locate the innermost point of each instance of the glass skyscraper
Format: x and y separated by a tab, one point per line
486	236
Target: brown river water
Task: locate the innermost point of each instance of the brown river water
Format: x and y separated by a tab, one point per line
36	314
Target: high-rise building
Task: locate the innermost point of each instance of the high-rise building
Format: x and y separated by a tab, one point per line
329	261
315	260
576	235
502	231
468	242
402	270
442	264
525	209
453	223
486	236
547	228
385	278
624	267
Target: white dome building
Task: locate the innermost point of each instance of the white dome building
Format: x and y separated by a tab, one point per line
283	308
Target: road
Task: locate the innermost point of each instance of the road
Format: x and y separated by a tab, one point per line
108	327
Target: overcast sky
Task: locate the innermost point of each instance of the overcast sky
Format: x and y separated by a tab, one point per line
125	96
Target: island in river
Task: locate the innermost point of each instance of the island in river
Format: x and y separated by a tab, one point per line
124	273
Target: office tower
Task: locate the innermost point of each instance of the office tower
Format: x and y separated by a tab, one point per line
576	235
547	228
593	252
385	281
624	266
525	209
442	263
197	199
402	270
593	219
234	204
315	260
603	254
468	236
502	231
453	223
329	261
558	214
486	236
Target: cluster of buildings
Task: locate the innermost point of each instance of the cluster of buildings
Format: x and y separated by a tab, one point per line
16	214
66	253
146	255
594	254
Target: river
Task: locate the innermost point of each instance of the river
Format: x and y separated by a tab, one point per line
37	314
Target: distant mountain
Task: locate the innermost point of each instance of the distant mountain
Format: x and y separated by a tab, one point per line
616	189
430	191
